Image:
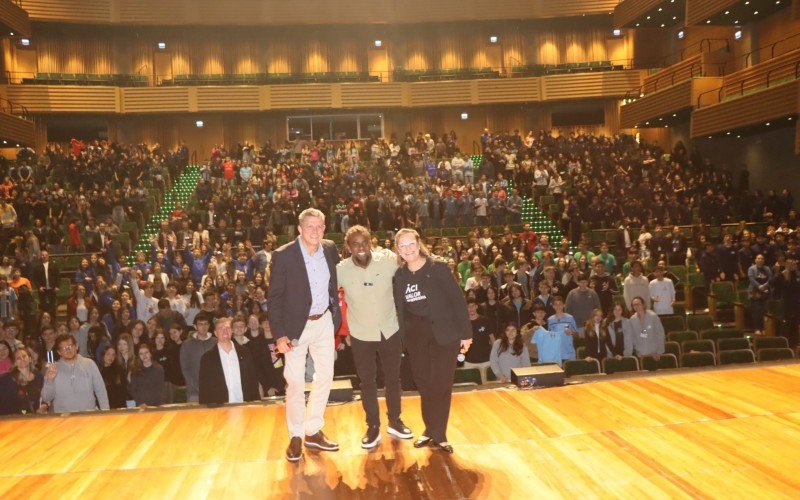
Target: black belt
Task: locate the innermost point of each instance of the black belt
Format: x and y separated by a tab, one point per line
315	317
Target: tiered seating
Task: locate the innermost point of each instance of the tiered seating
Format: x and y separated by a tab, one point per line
413	75
555	69
270	78
87	79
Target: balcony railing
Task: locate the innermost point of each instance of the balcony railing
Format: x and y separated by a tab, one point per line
790	71
396	75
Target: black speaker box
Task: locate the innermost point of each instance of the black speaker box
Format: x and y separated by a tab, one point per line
538	376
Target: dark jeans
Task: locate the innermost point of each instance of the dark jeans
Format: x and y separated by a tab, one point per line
434	367
365	358
758	308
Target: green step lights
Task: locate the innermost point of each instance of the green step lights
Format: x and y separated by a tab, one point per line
181	191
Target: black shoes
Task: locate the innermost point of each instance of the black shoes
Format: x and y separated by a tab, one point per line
399	430
422	442
295	450
442	447
321	442
372	438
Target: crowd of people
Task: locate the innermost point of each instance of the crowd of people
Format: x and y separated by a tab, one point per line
136	332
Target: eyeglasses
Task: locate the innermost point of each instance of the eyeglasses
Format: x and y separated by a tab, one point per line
68	347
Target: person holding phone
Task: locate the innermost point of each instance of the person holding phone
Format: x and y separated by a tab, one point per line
433	320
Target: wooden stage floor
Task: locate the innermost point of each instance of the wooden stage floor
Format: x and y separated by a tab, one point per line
715	434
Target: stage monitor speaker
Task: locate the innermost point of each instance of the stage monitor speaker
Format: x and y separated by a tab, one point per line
341	391
538	376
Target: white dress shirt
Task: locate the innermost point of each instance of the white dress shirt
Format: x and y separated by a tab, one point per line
233	377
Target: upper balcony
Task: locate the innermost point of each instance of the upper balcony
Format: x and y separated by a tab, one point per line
327	95
16	126
307	12
13	19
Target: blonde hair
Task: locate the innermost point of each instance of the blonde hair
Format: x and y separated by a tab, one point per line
423	250
310	212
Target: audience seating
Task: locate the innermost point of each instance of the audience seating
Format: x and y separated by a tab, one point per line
774	354
770	343
573	367
721	299
673	348
703	345
673	323
467	376
741	309
736	356
623	364
721	333
733	344
698	359
681	336
664	362
699	322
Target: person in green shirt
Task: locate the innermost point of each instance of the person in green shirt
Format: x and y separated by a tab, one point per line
608	259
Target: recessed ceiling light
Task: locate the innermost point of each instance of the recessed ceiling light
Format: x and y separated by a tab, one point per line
708	21
617	32
465	116
755	13
493	39
768	124
199	124
25	42
378	43
727	12
161	45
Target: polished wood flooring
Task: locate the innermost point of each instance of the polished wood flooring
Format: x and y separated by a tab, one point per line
717	434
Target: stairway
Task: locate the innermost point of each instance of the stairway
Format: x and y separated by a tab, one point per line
182	190
540	222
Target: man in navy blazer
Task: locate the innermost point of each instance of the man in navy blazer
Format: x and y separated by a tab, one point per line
303	307
227	371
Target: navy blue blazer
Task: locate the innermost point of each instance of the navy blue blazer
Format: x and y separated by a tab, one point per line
289	297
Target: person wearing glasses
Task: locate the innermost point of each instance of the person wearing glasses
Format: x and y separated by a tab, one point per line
435	326
73	383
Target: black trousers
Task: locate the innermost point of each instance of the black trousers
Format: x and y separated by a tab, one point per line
433	366
47	301
365	357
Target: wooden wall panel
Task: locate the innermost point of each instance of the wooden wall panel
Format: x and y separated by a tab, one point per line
697	11
329	48
64	98
16	130
628	10
753	109
356	95
238	98
266	12
75	11
669	100
510	90
15	18
155	100
441	93
301	96
587	85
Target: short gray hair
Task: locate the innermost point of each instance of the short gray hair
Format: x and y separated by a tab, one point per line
310	212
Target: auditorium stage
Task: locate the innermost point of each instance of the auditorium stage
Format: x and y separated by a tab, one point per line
721	433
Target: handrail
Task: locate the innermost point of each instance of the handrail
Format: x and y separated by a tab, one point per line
267	78
771	47
741	84
704	42
17	110
695	70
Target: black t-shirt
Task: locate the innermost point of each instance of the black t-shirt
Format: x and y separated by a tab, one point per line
481	346
415	289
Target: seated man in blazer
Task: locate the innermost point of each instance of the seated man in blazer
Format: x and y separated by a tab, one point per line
227	373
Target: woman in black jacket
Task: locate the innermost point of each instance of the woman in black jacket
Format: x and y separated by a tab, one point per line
432	314
114	377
